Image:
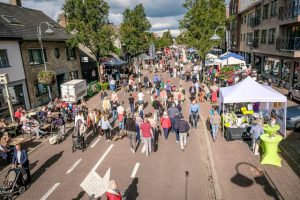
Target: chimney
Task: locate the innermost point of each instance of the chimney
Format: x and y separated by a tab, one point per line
62	20
16	2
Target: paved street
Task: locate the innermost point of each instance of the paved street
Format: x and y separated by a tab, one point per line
166	174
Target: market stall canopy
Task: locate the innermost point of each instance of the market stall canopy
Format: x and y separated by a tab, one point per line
114	62
211	56
145	57
232	61
213	62
230	54
249	90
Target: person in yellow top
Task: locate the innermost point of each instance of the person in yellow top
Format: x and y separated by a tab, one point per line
106	104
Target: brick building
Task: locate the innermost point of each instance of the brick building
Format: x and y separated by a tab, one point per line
61	59
268	36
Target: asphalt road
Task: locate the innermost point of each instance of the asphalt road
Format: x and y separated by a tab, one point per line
167	173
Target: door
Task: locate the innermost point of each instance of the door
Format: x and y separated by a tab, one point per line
297	91
19	94
60	79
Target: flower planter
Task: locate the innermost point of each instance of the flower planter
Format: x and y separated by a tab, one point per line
46	77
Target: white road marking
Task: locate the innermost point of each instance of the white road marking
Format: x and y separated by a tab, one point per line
135	169
94	144
143	149
93	183
73	166
50	191
102	158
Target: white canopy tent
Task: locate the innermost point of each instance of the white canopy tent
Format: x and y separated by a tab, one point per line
211	56
251	91
233	61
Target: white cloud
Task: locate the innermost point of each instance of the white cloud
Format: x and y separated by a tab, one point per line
174	32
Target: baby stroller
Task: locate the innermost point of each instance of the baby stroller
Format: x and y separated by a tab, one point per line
14	183
78	137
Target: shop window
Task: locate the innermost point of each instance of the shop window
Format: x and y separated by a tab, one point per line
56	53
266	11
296	73
271	39
286	69
41	89
273	8
36	57
71	53
272	66
263	36
3	58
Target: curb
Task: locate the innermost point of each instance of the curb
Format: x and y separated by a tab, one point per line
217	189
290	160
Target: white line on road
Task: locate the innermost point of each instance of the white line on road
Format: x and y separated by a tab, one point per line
136	167
50	191
94	144
73	166
102	157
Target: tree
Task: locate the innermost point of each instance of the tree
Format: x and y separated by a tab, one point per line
166	39
135	30
199	23
88	22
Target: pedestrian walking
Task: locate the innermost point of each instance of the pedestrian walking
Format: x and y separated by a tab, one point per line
131	103
121	116
165	124
256	131
176	120
183	128
215	121
20	160
147	133
131	132
172	111
105	127
106	105
141	97
194	113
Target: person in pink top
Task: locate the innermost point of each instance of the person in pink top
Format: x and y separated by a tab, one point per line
147	133
163	96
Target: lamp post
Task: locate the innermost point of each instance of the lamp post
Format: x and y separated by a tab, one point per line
49	31
227	38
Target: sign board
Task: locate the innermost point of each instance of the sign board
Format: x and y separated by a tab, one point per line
4	79
84	59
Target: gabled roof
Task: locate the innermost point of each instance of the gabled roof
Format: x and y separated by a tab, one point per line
29	21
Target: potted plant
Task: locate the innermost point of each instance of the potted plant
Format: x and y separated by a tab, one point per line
46	77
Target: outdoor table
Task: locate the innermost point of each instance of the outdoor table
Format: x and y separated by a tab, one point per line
16	141
45	126
236	133
12	128
30	114
12	125
270	155
271	130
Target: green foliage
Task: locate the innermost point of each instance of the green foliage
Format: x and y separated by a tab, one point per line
200	21
104	86
134	31
88	22
227	72
165	41
46	77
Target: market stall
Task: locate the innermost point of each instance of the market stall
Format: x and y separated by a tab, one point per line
116	68
246	100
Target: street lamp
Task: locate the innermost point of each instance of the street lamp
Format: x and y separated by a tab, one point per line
49	31
215	37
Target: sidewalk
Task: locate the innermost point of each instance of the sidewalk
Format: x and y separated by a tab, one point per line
241	176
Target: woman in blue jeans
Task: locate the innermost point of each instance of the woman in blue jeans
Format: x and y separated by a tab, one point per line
215	121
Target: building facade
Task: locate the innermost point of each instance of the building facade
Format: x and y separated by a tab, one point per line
269	39
61	59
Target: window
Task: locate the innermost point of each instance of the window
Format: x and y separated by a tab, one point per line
266	11
250	38
245	19
3	58
263	36
273	8
36	57
241	37
56	53
41	89
71	55
244	36
271	36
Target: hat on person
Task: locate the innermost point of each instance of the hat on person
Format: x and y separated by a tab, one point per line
165	114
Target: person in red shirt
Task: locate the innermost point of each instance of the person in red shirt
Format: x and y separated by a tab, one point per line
165	124
147	134
113	192
18	114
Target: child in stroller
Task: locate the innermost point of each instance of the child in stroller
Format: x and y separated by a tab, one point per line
78	136
14	183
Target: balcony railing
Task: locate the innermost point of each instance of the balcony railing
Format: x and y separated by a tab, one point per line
292	44
255	21
289	11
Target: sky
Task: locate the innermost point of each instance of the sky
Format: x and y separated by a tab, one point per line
163	14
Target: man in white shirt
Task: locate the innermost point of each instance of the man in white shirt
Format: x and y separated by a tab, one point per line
141	97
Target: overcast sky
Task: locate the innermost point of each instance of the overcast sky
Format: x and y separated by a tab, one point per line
163	14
